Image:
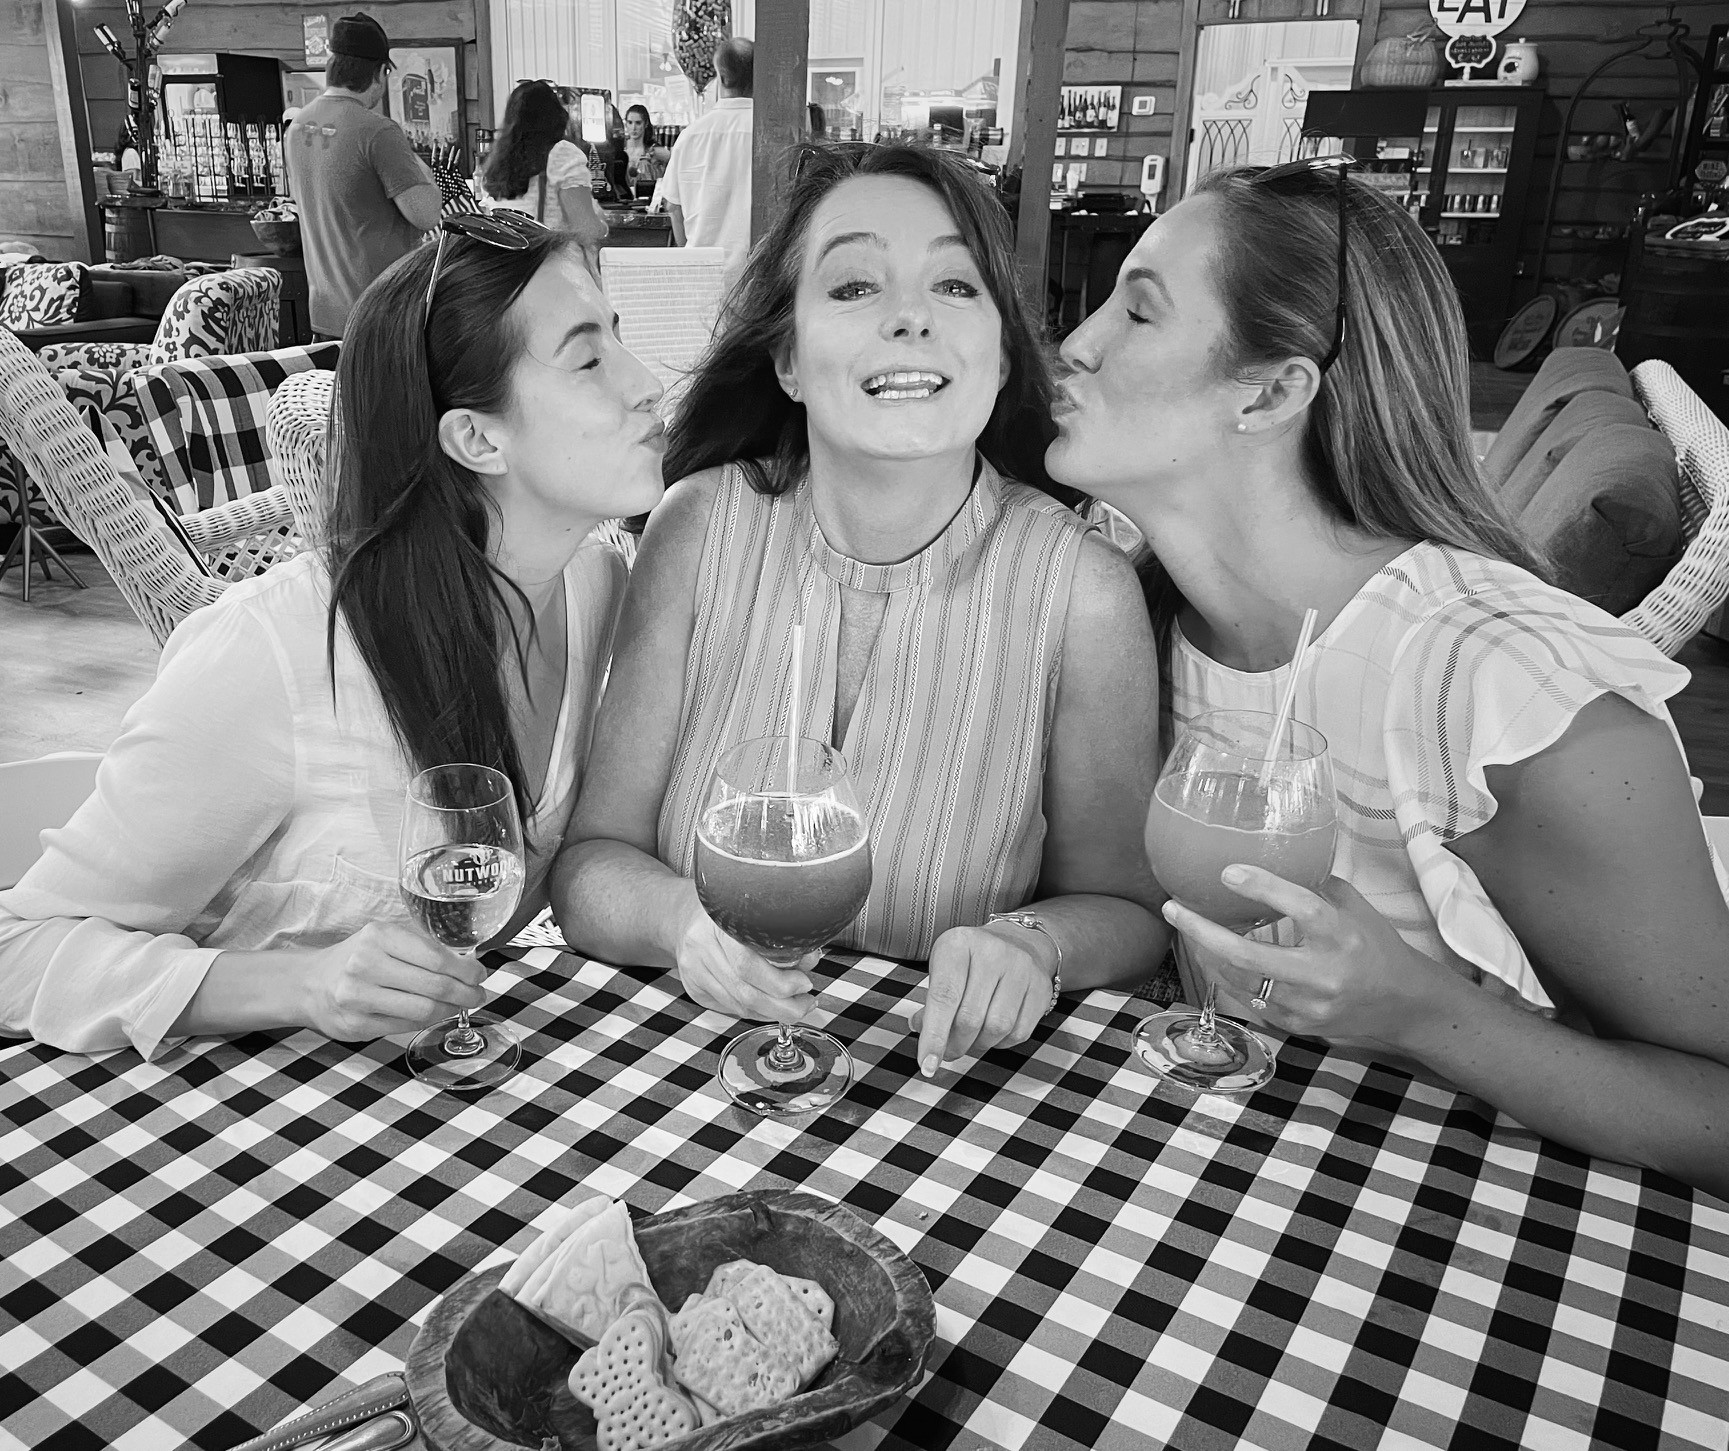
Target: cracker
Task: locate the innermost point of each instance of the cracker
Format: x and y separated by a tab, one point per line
775	1314
727	1274
815	1299
726	1365
647	1416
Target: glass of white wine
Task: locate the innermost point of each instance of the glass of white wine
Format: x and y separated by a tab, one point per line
462	869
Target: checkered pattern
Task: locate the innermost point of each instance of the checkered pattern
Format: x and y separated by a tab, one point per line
190	1250
206	418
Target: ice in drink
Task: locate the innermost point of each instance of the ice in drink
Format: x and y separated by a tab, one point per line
1188	851
780	877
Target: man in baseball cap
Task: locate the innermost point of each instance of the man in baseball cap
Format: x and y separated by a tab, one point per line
365	197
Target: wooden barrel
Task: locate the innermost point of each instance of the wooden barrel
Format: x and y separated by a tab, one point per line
1678	310
126	232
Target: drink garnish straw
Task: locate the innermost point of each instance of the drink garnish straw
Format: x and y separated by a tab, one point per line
792	730
1284	717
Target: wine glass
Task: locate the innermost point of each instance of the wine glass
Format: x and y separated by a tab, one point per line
1220	800
462	870
783	864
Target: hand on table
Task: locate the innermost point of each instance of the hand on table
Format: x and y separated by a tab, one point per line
387	978
1353	978
986	990
722	973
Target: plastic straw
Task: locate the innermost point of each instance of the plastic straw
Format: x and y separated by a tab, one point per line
1284	718
792	715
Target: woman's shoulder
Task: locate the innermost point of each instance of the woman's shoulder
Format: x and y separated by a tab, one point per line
287	601
566	165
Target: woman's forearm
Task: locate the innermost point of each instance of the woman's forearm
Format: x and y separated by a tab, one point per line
246	992
1628	1101
1107	942
617	903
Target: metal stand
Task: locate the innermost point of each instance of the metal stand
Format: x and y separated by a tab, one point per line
27	540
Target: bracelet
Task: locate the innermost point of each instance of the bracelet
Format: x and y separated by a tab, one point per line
1036	923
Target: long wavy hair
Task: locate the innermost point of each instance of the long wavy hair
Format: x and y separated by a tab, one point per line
535	120
1387	441
410	571
735	411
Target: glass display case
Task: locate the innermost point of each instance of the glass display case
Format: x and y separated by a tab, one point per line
1459	159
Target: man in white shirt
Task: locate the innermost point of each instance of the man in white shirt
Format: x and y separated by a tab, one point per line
707	182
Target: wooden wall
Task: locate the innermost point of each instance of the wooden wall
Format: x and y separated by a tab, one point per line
1572	37
1134	44
44	201
273	28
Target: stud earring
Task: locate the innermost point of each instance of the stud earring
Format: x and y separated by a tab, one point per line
1242	428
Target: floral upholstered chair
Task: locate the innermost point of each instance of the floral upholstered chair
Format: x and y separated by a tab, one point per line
220	312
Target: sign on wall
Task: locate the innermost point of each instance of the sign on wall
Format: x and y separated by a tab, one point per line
1474	17
316	30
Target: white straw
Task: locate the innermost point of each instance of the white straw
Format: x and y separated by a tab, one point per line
1304	636
792	720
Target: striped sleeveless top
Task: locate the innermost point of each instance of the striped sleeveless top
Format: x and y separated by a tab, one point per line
947	742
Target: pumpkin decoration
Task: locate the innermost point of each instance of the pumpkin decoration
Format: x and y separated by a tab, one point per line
698	26
1405	62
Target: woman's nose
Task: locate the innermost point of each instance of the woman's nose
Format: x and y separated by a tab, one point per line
910	315
1078	350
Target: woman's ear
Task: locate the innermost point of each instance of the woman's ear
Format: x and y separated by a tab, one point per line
786	371
472	440
1281	395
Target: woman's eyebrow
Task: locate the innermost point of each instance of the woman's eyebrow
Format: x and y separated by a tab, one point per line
580	330
1146	274
871	238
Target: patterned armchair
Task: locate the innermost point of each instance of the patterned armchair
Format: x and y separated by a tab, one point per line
221	312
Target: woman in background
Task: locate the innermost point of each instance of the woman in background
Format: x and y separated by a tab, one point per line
534	169
645	162
1523	900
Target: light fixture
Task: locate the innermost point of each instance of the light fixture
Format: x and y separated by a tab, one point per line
110	44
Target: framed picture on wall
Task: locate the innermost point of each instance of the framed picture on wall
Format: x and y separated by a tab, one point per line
423	95
1090	108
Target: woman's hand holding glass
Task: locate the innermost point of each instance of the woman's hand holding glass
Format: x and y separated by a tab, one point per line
720	972
1353	978
986	990
386	978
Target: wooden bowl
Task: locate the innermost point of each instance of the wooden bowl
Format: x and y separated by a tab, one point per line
280	235
486	1375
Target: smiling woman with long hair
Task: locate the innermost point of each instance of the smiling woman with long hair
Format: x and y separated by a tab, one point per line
236	867
862	451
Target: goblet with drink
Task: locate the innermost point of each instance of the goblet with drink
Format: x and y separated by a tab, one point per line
462	870
783	865
1240	787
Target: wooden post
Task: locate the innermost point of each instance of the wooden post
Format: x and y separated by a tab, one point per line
780	120
1039	79
59	30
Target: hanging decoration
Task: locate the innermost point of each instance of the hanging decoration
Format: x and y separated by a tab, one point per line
698	26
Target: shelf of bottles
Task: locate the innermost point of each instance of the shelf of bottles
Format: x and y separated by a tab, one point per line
1476	173
207	159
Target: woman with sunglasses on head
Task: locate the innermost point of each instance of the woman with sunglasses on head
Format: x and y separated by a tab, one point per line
1523	901
236	867
535	169
862	451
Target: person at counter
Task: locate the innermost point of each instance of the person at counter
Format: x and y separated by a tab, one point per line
707	182
365	198
535	168
645	159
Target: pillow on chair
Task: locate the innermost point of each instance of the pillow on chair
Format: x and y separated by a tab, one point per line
46	294
1565	374
1580	419
121	459
1609	516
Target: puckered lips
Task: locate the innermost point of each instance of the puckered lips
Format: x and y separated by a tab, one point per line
905	383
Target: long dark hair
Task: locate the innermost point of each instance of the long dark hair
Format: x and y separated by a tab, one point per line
735	410
648	137
535	120
409	527
1387	441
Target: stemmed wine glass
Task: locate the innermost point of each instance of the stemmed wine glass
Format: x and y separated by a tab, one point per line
462	870
1224	797
783	864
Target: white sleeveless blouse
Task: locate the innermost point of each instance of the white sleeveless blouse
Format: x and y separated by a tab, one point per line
1444	664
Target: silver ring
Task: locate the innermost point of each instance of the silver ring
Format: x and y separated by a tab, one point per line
1259	1001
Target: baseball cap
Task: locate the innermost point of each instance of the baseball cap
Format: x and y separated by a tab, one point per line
360	36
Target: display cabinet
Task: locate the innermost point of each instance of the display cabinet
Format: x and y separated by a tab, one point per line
1459	158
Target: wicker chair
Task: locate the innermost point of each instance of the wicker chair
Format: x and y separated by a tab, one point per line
301	418
154	572
1674	612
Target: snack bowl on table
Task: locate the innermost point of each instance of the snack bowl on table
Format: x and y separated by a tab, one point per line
280	235
486	1374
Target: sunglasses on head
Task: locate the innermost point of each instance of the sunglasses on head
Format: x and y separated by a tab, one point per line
1309	178
508	231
